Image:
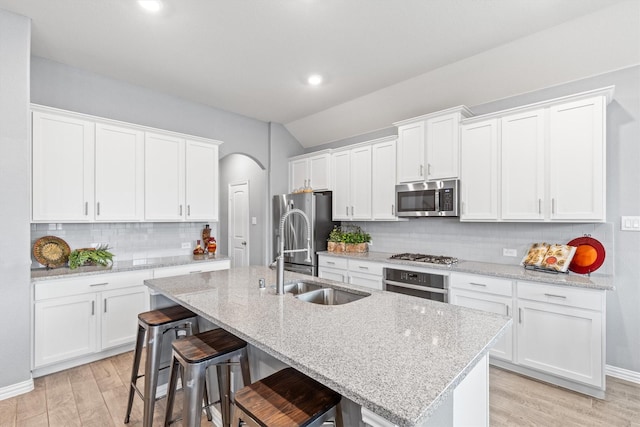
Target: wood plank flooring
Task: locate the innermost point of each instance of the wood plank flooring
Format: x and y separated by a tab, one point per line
96	395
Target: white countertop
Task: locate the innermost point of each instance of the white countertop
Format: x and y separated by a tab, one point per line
40	274
516	272
396	355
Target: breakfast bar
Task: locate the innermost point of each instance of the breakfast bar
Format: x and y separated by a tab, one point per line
405	361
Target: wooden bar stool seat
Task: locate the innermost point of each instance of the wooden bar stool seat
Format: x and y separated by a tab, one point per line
287	398
194	355
154	324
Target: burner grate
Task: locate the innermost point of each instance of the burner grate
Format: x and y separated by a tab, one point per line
429	259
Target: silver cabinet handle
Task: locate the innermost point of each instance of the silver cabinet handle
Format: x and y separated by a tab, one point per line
194	272
507	307
86	208
478	284
519	315
555	296
363	267
393	209
99	284
98	208
347	210
421	170
351	210
93	308
428	169
553	206
330	262
180	210
188	210
105	305
539	206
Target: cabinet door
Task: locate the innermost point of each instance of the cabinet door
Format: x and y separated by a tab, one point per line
64	328
561	340
479	178
411	153
201	176
164	178
341	185
360	192
120	309
298	174
577	158
320	172
493	304
523	141
443	146
119	173
333	274
62	170
383	178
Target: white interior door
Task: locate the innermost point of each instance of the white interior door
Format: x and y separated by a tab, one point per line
239	224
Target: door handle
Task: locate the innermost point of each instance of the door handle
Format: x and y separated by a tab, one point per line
86	208
519	315
421	170
98	208
105	305
188	210
93	308
539	206
244	243
507	307
393	210
180	210
428	169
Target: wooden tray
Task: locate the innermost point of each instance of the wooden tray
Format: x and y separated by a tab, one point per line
51	251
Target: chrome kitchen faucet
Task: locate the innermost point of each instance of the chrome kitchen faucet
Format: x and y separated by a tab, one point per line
282	251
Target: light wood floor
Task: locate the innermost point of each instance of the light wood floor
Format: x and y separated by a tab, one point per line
96	395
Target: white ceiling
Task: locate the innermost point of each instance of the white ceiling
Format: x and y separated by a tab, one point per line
252	56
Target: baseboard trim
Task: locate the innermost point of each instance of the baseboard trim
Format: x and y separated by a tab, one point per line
16	389
623	374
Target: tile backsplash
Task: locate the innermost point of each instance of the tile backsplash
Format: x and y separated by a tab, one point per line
480	241
128	241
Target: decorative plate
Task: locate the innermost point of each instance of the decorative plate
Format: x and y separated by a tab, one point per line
589	255
51	251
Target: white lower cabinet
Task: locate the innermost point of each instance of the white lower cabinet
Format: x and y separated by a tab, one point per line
354	272
561	331
118	307
488	294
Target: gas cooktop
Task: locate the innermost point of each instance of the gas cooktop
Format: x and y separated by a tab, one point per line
429	259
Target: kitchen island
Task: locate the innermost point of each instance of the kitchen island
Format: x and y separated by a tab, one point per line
400	358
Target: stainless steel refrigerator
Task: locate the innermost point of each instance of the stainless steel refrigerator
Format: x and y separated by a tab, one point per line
317	206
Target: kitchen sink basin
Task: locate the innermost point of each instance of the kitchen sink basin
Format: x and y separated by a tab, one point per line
330	296
301	287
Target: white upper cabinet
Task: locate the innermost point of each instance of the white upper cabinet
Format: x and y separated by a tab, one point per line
383	178
164	169
411	153
119	173
313	170
429	145
89	169
577	159
62	168
201	181
552	162
352	184
479	181
522	143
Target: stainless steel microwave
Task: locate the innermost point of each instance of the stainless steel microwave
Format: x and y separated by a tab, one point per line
434	198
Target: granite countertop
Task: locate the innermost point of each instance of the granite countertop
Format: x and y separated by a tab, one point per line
40	274
396	355
507	271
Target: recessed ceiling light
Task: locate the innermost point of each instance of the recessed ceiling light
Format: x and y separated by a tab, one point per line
315	79
150	5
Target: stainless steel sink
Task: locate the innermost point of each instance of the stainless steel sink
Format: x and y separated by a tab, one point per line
330	296
301	287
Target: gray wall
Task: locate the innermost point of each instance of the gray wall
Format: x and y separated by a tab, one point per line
484	242
15	160
236	168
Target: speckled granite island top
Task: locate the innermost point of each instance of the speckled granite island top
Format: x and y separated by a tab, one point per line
396	355
507	271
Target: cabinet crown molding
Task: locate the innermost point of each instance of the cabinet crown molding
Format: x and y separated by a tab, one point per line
462	109
103	120
311	154
365	143
607	92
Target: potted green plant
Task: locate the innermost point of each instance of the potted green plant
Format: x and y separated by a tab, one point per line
348	238
90	256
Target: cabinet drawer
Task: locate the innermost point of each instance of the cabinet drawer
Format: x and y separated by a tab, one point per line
84	284
562	295
200	267
367	267
333	262
486	284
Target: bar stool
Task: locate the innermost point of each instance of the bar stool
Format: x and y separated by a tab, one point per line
154	324
287	398
194	355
